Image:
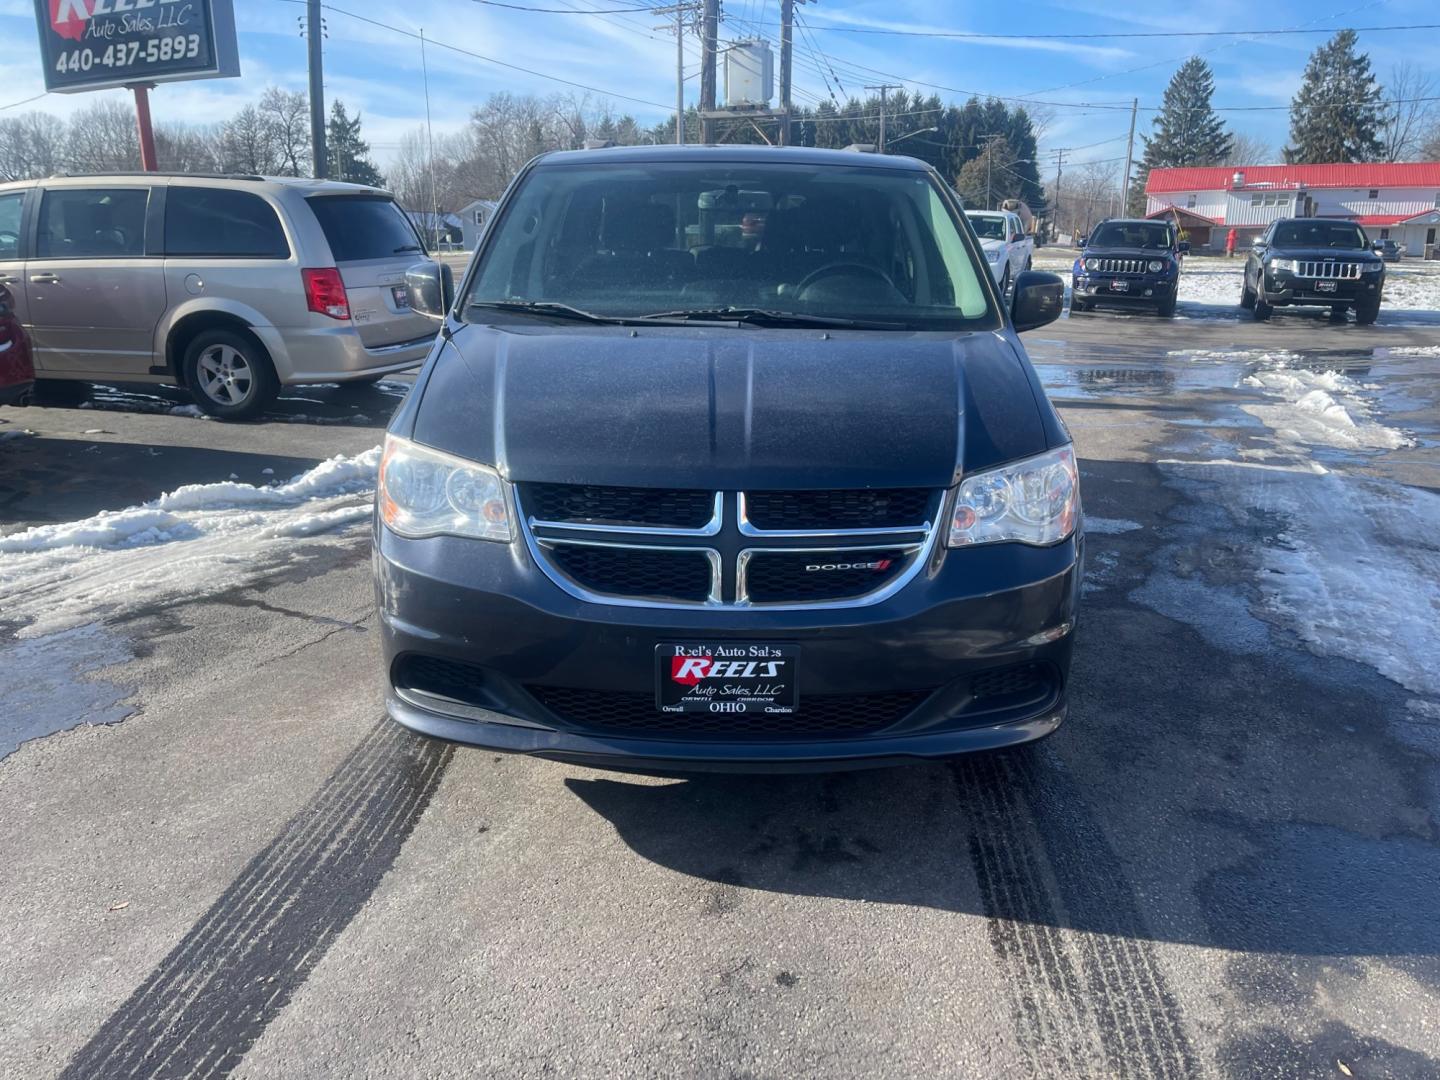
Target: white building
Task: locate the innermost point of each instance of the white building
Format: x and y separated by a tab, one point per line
1398	201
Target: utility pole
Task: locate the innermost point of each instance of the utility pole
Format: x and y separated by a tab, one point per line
883	90
787	34
1059	174
709	30
1129	157
315	28
989	141
679	11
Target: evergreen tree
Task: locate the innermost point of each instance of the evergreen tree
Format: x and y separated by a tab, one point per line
349	154
1187	131
1337	116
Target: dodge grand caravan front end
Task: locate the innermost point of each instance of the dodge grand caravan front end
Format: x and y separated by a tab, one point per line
729	459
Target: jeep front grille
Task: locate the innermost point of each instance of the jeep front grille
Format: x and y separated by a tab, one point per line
1347	271
1121	266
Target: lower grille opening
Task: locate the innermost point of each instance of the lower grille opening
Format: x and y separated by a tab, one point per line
1011	687
822	715
641	573
450	681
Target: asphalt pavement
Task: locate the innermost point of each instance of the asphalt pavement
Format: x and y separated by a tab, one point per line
220	859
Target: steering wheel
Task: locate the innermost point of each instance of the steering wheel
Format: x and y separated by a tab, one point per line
848	268
8	238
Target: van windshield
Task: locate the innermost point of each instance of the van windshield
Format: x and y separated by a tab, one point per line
678	239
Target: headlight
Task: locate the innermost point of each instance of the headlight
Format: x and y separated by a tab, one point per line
1371	268
1283	264
1092	265
1155	266
423	492
1035	501
993	254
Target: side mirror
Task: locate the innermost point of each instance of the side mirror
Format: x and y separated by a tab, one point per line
431	288
1377	247
1184	247
1038	299
1258	243
1080	242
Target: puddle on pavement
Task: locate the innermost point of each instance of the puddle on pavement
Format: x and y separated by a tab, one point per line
320	403
49	686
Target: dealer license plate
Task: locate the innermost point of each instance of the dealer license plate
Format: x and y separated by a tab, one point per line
726	678
402	297
1119	286
1324	286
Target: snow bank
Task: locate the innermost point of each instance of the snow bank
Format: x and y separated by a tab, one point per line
1355	571
1319	408
195	541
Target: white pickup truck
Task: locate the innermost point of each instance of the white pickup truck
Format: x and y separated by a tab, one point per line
1008	248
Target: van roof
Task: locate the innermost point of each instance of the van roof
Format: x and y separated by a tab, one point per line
304	184
757	155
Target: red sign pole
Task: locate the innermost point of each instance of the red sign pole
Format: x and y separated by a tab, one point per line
142	122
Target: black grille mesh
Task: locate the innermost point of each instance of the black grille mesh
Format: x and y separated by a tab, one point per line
785	577
881	508
674	508
1021	681
647	573
618	712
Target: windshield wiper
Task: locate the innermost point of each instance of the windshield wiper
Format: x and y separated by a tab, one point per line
769	317
552	308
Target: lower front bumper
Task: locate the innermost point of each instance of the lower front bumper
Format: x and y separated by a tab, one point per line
1288	292
1137	290
525	645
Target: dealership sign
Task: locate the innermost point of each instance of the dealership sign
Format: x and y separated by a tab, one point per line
94	44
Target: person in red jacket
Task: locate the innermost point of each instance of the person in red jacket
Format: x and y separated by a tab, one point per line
1230	244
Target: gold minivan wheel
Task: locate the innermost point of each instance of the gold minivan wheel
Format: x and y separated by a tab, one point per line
230	374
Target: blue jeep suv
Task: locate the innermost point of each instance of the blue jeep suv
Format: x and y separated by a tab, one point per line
1127	262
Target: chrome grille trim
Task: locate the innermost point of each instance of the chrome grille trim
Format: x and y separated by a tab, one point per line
710	528
1345	271
747	529
917	553
580	592
539	535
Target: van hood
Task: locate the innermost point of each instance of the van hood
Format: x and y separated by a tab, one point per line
728	408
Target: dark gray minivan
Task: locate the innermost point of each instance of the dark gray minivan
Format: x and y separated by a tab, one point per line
729	458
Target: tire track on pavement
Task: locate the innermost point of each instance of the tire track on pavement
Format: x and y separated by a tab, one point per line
207	1002
1087	992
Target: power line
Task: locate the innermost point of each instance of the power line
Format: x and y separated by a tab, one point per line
27	101
562	11
977	36
490	59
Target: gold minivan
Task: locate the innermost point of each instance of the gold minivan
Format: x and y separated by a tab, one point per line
231	286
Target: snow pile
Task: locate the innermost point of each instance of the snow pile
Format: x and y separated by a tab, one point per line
194	541
1209	283
1412	286
1356	570
1319	408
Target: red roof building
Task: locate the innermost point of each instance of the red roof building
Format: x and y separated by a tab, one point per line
1399	200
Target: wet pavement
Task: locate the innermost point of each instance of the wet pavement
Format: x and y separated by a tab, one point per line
221	861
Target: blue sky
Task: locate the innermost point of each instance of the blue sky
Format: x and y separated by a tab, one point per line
625	57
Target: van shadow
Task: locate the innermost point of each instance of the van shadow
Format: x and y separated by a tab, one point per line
1197	795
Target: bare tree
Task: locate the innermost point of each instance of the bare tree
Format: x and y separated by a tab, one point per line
1408	116
246	145
1430	147
1087	195
286	115
31	145
179	148
102	138
1248	150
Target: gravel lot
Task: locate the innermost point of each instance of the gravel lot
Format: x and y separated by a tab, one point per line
221	860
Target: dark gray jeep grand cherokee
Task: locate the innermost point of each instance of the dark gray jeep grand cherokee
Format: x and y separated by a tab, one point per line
729	457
